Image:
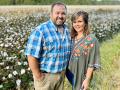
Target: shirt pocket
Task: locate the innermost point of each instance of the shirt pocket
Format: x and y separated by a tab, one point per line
49	45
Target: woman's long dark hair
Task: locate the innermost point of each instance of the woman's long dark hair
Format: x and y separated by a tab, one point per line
85	18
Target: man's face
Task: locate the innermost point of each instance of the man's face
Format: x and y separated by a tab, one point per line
58	15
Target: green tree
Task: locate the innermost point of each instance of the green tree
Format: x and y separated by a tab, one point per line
20	1
13	2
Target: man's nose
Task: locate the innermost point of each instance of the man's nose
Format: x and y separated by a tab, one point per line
60	15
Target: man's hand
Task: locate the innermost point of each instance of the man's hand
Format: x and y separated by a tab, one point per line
39	76
35	67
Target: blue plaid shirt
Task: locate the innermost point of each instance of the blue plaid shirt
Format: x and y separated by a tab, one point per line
50	47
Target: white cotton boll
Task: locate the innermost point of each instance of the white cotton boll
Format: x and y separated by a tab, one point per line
5	54
15	73
18	82
22	71
7	58
2	63
28	69
3	78
15	56
21	51
1	86
19	63
6	45
2	45
7	67
25	63
10	75
10	58
18	47
9	44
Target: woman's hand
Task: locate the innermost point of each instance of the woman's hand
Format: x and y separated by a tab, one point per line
88	75
85	84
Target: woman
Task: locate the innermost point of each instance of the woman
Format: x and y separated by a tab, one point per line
85	52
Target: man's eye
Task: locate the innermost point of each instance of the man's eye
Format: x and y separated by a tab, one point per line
63	13
57	12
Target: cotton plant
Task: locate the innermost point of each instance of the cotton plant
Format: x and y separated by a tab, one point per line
105	24
15	71
14	32
15	75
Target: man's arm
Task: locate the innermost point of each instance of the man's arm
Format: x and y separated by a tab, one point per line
34	66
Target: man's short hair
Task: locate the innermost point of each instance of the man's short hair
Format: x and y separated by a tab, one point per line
57	3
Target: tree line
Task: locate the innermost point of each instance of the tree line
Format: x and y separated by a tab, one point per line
48	2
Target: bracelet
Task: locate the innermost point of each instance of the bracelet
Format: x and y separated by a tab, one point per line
87	78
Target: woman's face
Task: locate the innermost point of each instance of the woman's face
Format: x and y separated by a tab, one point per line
79	24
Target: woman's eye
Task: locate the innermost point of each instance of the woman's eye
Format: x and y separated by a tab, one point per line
79	21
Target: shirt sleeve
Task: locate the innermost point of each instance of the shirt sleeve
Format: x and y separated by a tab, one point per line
94	55
33	47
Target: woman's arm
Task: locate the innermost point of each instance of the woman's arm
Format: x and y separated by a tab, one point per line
86	82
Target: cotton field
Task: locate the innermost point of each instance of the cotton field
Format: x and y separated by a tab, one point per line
16	23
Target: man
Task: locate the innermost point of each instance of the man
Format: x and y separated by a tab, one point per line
48	50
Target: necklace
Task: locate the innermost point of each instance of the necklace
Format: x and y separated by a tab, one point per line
77	38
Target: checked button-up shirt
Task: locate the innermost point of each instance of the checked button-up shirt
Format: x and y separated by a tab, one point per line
50	47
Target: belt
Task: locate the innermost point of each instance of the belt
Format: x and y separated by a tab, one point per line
62	72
